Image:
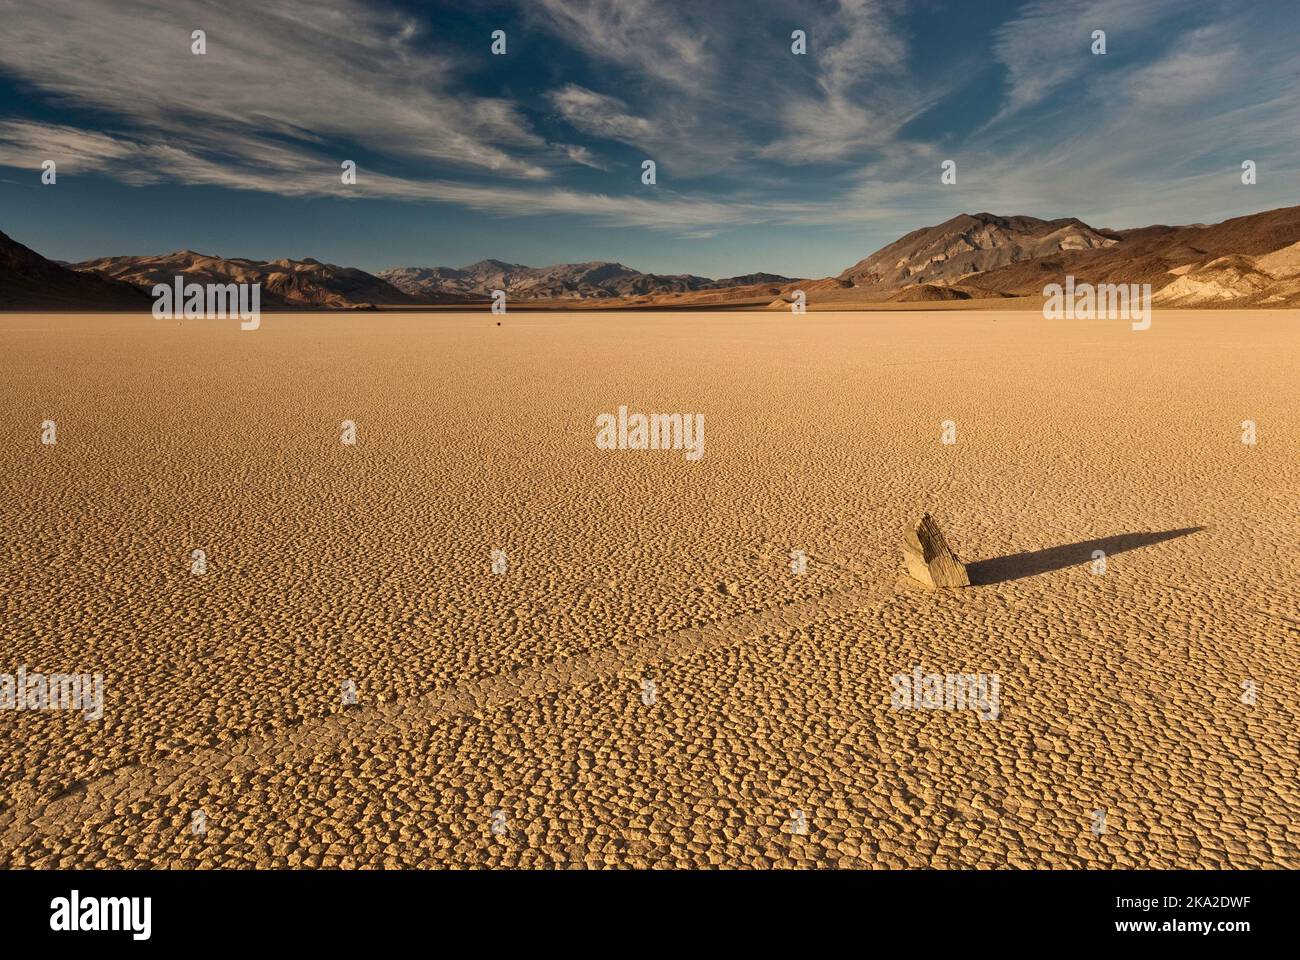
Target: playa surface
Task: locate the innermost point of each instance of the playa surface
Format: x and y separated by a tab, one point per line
648	683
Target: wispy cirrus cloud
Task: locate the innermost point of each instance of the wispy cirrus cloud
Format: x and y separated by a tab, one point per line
304	73
276	107
291	174
744	131
264	108
654	38
26	144
600	115
723	88
1048	45
1158	138
583	156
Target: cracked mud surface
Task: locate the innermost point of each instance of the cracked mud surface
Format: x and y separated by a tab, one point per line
523	692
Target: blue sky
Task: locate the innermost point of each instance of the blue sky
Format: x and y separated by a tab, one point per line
766	161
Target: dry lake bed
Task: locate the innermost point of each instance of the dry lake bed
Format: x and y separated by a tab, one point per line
475	636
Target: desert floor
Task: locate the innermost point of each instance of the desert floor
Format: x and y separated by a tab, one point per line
500	718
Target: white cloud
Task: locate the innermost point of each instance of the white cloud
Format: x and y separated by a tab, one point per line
305	175
27	144
1049	45
656	39
295	70
600	115
581	156
1199	68
861	95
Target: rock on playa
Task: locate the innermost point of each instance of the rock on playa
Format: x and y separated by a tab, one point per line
929	559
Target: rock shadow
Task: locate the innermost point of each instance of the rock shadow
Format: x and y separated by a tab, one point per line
1018	566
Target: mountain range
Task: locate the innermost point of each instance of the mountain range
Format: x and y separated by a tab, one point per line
566	281
1252	260
28	281
285	283
1245	261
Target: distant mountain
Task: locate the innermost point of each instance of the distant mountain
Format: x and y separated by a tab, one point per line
285	283
748	280
29	281
969	244
1268	280
1239	262
565	281
1246	261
